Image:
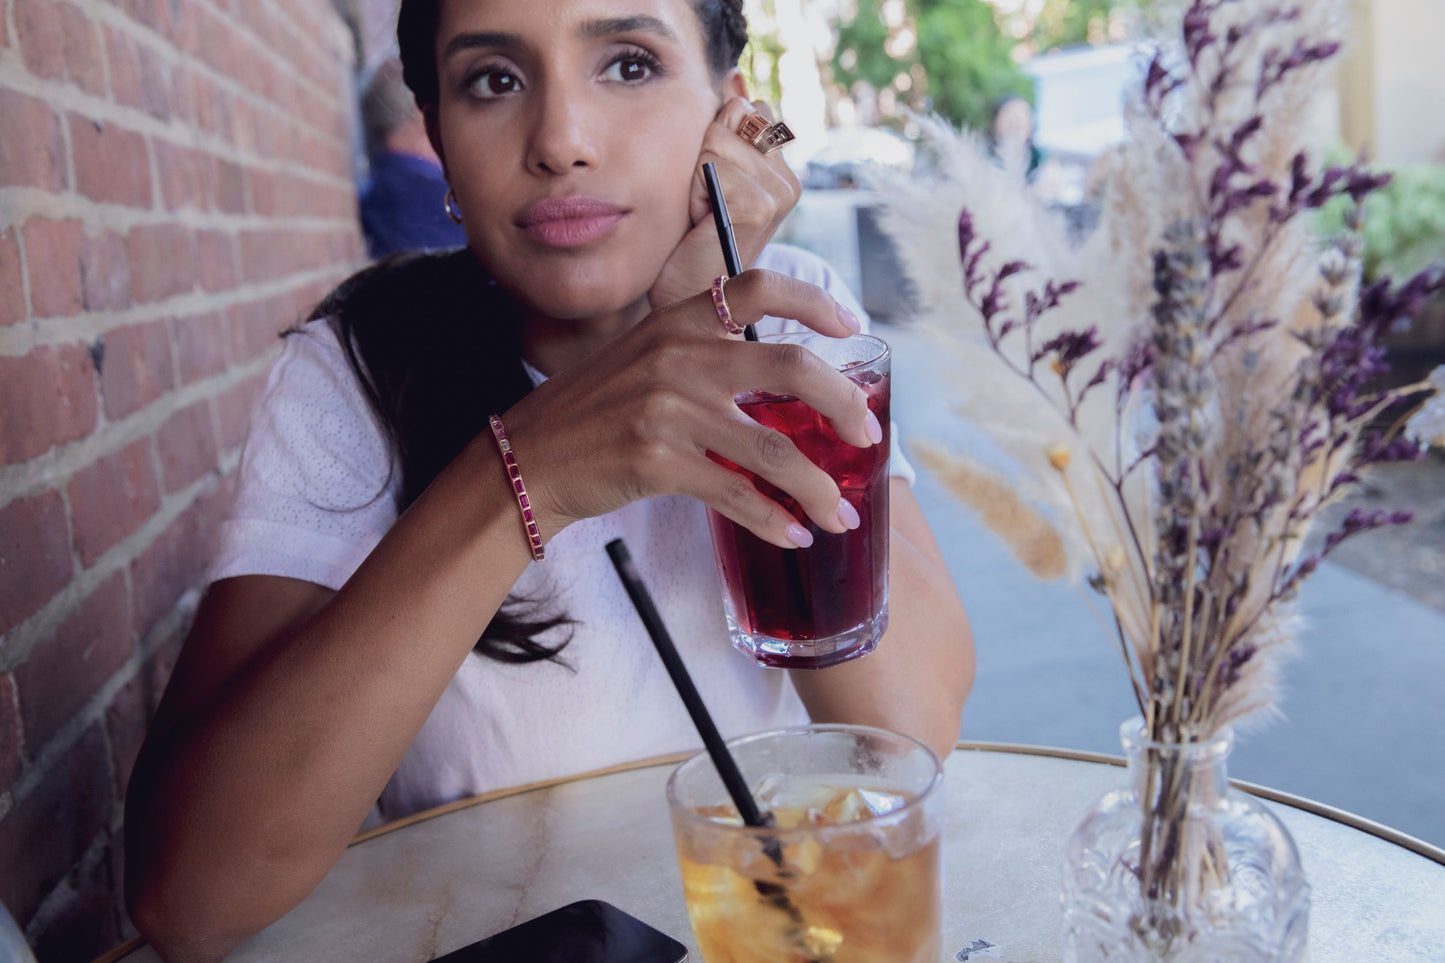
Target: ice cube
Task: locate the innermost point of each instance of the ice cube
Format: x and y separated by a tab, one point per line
880	803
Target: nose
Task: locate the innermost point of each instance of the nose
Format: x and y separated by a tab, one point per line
563	136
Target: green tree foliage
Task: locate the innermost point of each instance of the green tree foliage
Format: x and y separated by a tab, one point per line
1066	23
965	56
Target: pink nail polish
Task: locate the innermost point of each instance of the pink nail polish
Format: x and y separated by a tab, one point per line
799	535
873	428
849	319
847	514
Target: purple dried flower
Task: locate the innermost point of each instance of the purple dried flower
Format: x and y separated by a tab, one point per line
1069	347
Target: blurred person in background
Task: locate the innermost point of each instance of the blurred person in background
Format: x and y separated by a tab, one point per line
401	205
1011	135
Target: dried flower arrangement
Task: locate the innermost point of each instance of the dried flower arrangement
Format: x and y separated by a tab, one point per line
1186	403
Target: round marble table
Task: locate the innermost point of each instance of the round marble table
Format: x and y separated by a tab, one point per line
421	887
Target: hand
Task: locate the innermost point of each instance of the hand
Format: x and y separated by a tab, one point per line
636	418
760	191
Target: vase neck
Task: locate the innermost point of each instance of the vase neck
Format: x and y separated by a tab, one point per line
1199	768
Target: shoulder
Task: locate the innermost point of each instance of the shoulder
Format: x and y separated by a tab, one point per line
798	263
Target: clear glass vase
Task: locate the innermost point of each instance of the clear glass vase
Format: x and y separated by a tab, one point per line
1178	866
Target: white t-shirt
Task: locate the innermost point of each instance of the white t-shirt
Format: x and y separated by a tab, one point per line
315	493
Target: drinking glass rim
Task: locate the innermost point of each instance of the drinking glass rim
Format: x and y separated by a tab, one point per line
693	817
886	352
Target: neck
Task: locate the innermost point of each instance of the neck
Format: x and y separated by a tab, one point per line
554	344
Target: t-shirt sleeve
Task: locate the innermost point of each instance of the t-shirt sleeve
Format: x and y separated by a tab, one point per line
316	487
806	266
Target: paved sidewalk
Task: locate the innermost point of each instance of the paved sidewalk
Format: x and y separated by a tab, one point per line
1363	701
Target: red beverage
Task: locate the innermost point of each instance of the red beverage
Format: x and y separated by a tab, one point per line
817	606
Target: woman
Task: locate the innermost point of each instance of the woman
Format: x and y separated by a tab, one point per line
332	662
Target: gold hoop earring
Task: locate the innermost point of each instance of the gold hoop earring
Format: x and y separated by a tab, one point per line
449	204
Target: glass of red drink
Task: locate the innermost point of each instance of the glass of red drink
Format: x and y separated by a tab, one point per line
817	606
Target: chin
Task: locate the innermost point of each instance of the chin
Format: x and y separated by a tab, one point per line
575	291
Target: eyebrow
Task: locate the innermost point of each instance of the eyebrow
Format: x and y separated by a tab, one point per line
596	29
590	30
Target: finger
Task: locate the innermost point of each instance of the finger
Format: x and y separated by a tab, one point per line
732	495
776	459
764	108
756	293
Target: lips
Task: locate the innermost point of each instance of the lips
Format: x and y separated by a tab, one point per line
569	221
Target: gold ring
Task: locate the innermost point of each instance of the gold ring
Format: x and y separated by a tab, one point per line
774	137
753	126
764	135
720	304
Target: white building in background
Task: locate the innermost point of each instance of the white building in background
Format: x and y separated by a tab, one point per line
1393	81
1079	98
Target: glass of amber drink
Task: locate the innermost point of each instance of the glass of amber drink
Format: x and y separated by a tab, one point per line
849	871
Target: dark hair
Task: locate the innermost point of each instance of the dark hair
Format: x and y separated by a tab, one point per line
724	34
436	348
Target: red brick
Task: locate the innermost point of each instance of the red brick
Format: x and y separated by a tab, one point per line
111	164
32	144
112	498
64	671
12	290
200	345
9	734
234	408
187	443
216	260
104	272
139	75
34	556
147	12
263	255
182	174
162	261
137	368
89	923
265	190
227	181
175	562
256	326
54	250
48	831
47	398
41	36
214	111
81	49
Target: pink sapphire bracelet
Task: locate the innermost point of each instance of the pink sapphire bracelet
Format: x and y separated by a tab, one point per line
529	521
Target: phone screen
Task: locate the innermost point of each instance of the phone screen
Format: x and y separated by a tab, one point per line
589	931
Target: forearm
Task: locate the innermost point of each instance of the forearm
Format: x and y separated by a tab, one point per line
244	802
917	679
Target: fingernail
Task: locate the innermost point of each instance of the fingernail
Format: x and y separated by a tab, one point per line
873	428
849	319
847	514
799	535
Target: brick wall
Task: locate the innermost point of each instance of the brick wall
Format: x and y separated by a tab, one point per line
175	186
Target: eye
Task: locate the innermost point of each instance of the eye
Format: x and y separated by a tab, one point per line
489	83
633	67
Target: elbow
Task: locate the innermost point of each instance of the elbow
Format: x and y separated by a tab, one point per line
174	938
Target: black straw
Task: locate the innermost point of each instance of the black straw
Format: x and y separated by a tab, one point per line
727	767
774	893
725	231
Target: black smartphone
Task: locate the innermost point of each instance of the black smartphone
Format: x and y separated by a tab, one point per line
588	931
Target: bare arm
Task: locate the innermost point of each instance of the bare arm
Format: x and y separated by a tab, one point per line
290	707
916	681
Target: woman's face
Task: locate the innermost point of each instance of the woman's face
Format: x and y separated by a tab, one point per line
570	130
